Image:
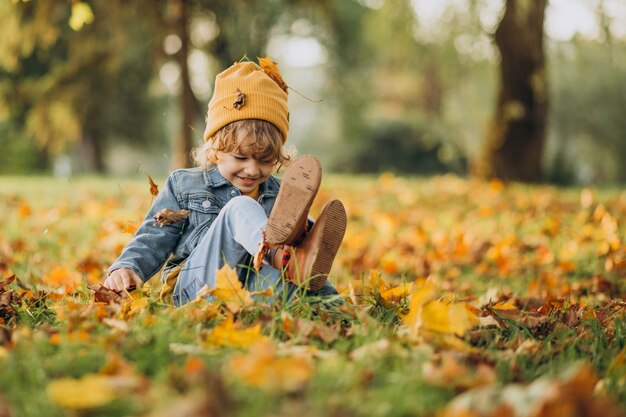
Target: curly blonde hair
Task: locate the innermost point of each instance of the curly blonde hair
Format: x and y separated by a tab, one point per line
258	138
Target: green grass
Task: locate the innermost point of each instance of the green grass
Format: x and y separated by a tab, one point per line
478	242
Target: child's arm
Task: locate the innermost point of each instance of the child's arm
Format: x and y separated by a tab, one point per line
151	245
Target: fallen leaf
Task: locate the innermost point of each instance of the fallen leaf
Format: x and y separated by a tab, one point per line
227	334
570	394
229	290
61	278
168	216
80	394
106	295
262	368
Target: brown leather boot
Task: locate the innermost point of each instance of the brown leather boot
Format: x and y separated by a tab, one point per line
288	219
308	264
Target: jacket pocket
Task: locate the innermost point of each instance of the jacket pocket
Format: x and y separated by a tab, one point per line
203	207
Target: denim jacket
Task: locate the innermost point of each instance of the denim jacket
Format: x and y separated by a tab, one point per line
203	193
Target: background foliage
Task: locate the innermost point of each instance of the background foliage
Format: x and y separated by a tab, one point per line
95	85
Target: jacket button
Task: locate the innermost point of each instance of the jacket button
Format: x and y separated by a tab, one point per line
206	204
233	192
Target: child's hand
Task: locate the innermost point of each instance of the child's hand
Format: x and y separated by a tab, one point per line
123	279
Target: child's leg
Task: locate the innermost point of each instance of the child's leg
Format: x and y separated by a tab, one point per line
236	233
234	236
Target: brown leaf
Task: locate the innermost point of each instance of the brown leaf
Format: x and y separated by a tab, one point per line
6	282
240	100
154	189
105	295
6	337
7	298
271	69
169	216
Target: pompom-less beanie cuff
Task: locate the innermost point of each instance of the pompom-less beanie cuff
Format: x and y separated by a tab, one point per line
244	91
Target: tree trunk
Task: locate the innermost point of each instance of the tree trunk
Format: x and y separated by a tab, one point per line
514	144
92	153
183	143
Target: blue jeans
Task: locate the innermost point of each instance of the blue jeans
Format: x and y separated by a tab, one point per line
233	238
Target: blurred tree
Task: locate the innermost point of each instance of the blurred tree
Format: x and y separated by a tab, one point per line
87	83
586	140
515	142
179	17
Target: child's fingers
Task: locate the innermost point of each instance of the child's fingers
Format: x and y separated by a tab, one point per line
122	279
131	280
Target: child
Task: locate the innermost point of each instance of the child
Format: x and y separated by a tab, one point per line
237	211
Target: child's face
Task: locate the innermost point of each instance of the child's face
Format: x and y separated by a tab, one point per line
243	171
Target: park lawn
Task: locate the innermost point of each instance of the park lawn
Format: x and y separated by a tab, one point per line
461	298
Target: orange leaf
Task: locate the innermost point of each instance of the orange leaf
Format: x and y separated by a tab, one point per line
154	189
262	368
60	277
270	67
226	334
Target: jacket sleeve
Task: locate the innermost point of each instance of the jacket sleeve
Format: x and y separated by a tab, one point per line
151	245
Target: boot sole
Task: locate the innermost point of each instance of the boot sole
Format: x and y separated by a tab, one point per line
327	235
298	188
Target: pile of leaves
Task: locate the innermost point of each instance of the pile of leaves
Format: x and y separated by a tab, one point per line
457	298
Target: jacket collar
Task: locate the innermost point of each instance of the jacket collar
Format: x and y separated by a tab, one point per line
213	178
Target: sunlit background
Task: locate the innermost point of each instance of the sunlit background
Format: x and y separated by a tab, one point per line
407	86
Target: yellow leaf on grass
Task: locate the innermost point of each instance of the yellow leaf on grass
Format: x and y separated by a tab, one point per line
504	306
419	297
87	392
398	293
262	368
426	313
452	318
229	290
226	334
137	305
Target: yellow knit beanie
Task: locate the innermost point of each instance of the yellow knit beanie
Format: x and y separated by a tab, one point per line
245	91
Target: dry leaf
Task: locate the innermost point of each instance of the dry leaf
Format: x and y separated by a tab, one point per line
270	67
569	395
154	189
240	99
229	290
226	334
426	313
168	216
106	295
79	394
6	282
261	367
61	278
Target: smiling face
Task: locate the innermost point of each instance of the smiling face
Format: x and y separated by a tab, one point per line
243	170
